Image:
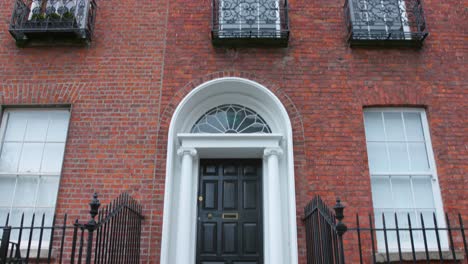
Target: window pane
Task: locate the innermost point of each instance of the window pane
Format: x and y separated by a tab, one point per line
389	217
222	118
381	192
37	126
394	127
377	153
58	126
403	223
428	217
16	126
423	192
25	193
53	156
414	130
398	157
374	126
47	193
31	157
10	157
7	187
3	216
48	214
17	213
418	154
402	192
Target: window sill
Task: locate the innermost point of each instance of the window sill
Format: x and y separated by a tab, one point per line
420	255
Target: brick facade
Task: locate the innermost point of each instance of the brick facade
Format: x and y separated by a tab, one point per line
147	55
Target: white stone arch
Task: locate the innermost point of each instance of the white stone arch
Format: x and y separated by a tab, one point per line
184	150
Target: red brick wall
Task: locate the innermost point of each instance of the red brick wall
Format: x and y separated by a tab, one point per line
146	55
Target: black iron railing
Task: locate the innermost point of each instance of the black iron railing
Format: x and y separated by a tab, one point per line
385	23
53	20
386	238
407	237
250	23
324	236
113	238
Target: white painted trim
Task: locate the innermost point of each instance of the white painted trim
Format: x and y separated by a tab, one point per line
197	102
229	141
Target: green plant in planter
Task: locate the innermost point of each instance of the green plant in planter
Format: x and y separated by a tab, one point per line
68	16
38	17
53	16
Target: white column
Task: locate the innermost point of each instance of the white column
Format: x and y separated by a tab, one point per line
273	203
184	222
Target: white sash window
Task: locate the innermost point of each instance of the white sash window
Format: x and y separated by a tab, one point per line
32	149
403	175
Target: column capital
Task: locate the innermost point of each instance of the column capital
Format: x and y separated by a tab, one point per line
186	151
272	151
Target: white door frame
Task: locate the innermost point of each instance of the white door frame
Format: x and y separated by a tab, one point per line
183	153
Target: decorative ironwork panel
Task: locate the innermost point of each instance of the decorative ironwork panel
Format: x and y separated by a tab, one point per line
250	19
32	19
231	118
385	20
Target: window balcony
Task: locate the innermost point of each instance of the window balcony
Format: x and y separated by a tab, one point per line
53	21
250	23
391	23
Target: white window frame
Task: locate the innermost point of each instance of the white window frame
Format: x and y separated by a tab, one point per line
432	172
5	115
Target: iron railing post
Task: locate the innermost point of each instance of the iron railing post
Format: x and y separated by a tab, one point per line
340	227
91	226
4	244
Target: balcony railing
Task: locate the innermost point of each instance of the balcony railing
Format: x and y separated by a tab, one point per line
245	23
385	23
56	21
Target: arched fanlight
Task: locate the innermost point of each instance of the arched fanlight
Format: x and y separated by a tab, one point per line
231	118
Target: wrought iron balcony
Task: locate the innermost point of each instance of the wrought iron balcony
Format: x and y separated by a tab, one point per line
53	21
243	23
385	23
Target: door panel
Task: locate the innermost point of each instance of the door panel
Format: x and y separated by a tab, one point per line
250	195
250	243
229	235
230	195
211	192
209	238
230	212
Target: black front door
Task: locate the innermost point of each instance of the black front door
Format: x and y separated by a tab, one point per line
230	227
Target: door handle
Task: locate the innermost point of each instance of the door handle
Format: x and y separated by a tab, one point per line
232	216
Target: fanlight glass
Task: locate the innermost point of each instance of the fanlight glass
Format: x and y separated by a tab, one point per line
231	118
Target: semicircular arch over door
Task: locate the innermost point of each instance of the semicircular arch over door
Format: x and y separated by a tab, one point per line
230	119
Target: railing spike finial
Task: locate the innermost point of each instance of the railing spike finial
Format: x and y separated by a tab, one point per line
341	228
94	205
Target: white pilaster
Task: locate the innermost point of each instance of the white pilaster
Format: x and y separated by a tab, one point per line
273	203
184	224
